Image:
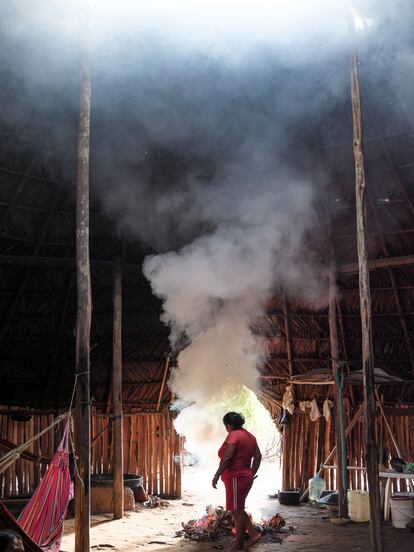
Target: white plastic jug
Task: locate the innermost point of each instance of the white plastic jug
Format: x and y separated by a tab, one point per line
358	506
316	487
401	510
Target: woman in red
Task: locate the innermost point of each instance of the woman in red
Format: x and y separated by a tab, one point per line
240	459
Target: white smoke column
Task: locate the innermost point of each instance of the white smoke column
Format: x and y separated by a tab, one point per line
214	288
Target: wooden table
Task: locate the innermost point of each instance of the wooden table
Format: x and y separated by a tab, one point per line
389	475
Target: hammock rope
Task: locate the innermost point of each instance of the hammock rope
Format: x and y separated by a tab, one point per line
10	457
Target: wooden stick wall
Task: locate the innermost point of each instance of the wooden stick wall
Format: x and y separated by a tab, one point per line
23	476
152	449
310	442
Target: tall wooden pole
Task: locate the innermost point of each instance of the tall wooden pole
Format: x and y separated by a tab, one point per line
371	449
287	429
118	452
84	314
339	429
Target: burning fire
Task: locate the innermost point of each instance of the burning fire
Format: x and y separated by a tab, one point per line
209	519
217	522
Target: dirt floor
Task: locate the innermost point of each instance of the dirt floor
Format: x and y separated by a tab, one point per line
154	529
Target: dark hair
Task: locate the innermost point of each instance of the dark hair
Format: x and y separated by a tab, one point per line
7	538
233	419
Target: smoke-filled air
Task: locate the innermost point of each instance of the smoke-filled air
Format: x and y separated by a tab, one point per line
203	119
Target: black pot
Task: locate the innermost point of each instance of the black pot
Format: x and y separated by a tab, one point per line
21	417
398	464
289	498
134	482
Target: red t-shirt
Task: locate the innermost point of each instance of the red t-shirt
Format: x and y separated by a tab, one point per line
245	446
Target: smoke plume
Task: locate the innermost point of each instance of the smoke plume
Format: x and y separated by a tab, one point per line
204	115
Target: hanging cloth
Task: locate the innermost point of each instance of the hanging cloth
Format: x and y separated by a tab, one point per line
41	522
327	405
287	401
43	517
314	413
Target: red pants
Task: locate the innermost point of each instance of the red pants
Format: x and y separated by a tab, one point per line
237	489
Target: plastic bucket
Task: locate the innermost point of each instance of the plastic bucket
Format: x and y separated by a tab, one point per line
358	506
402	510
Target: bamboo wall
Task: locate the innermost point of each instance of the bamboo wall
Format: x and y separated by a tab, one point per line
307	444
152	449
24	475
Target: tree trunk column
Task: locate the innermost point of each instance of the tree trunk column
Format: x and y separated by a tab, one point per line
371	448
118	453
83	320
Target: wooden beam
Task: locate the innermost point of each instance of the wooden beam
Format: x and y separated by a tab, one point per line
371	448
118	453
69	263
59	262
164	378
306	315
84	315
385	262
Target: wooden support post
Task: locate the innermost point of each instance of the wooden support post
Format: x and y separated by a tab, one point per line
339	438
371	449
83	321
287	429
118	439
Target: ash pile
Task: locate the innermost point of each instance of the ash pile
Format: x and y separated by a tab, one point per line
217	524
154	501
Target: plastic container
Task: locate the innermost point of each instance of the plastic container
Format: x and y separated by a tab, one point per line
402	510
316	487
358	506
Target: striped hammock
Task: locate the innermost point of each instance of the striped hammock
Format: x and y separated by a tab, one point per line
42	519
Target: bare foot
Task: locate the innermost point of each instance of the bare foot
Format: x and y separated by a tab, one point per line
253	540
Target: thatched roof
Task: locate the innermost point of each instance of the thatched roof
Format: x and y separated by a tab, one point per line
37	294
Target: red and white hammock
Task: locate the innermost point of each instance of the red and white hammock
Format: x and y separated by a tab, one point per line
41	523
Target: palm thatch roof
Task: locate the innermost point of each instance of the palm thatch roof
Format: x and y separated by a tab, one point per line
37	247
